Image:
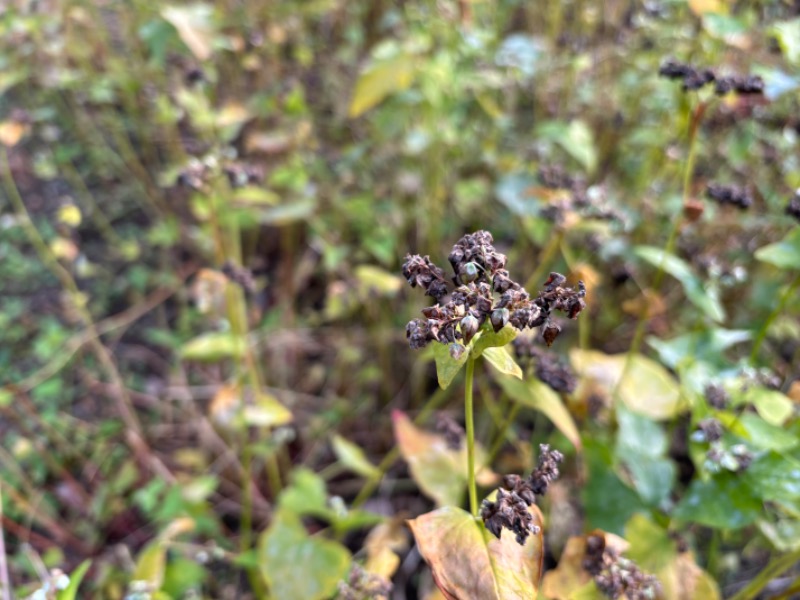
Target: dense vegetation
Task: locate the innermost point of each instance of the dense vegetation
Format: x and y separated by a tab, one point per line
210	212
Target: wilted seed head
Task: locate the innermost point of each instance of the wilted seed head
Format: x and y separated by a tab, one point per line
741	84
672	69
550	333
499	318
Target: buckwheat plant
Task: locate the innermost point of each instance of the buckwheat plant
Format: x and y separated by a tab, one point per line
478	310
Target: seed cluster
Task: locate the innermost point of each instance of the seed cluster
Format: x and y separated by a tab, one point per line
616	575
695	78
730	194
483	292
580	199
510	510
547	367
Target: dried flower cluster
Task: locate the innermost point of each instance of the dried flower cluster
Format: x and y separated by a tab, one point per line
580	200
616	575
483	292
695	78
547	367
197	174
708	430
730	194
716	396
736	458
362	585
510	509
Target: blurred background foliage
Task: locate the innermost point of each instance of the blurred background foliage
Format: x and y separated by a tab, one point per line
205	207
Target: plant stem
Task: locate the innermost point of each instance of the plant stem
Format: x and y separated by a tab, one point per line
473	492
773	569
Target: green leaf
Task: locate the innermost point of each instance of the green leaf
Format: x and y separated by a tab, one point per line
641	447
353	458
211	347
775	478
783	534
761	434
468	562
501	360
447	367
784	254
297	566
305	495
726	501
489	339
381	79
647	389
539	396
651	548
706	299
76	577
771	405
608	502
575	138
151	565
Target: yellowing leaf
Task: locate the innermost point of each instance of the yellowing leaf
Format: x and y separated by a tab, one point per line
440	471
375	280
352	457
266	411
69	215
211	347
701	7
468	562
648	388
381	79
501	360
11	132
539	396
193	23
382	545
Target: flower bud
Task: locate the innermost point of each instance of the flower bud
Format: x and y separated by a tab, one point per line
550	333
499	318
469	272
469	327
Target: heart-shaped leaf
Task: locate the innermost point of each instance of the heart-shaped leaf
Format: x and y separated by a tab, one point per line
297	566
439	470
468	562
447	367
784	254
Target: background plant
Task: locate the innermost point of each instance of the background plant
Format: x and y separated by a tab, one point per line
204	212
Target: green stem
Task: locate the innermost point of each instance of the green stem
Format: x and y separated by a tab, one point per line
772	570
473	492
